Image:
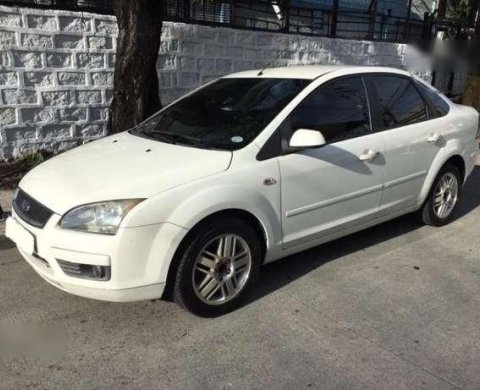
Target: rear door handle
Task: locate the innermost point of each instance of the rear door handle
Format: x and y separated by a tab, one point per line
433	138
368	155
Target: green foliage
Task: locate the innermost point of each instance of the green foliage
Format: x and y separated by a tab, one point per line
34	159
460	8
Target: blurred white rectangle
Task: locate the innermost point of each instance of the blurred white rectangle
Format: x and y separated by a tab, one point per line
20	236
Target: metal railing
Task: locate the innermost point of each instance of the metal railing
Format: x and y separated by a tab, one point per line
96	6
318	21
280	16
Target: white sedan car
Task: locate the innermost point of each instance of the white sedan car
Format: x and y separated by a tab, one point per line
246	170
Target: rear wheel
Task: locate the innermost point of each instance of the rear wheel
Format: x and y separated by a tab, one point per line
439	208
219	266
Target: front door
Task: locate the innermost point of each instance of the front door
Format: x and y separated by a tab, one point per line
337	185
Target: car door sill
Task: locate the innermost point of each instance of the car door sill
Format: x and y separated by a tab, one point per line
341	231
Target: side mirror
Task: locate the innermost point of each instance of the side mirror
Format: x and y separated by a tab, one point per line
305	138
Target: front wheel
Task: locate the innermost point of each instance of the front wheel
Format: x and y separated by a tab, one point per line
439	207
219	266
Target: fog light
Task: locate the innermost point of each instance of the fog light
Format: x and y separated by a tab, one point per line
98	272
85	271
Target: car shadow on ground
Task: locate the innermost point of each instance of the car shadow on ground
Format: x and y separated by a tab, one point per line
280	273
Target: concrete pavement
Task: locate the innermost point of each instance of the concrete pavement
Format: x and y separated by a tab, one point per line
5	203
396	306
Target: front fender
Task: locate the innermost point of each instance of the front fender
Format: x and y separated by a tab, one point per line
242	188
187	213
186	207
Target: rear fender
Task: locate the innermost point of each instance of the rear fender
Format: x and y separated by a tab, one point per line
452	148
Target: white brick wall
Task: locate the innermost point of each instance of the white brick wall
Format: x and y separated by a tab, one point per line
56	69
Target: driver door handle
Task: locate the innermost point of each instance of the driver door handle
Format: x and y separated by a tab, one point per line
433	138
368	155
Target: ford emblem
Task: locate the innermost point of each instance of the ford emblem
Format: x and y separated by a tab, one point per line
25	206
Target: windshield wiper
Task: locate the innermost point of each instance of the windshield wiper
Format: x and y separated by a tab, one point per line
182	138
176	138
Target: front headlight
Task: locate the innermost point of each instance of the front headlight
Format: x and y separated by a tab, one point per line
101	217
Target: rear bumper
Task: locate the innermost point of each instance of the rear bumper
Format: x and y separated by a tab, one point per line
139	258
472	157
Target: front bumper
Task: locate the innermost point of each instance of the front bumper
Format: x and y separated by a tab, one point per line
139	257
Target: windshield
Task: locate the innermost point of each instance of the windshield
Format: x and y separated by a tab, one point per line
227	114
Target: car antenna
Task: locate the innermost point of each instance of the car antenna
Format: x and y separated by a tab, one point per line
261	72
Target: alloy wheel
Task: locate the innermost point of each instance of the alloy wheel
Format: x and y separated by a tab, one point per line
446	195
222	269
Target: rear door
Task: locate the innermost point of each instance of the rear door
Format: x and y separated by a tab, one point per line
412	133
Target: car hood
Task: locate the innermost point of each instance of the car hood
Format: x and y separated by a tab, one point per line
122	166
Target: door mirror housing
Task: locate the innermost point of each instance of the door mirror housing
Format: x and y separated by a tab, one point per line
306	139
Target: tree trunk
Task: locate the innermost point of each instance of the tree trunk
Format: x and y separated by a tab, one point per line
441	9
135	90
471	95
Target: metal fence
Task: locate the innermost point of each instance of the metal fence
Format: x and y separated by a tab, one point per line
280	16
96	6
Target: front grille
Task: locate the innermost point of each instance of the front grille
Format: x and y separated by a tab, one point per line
31	211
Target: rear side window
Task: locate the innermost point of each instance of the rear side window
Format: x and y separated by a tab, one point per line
440	106
338	109
401	103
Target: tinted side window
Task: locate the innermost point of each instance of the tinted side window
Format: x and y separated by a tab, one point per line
338	109
401	103
441	107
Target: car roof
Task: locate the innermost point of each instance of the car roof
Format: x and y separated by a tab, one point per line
311	72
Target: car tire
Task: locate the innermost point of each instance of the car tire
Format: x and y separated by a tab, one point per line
445	192
214	275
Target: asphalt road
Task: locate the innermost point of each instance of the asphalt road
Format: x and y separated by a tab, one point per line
396	306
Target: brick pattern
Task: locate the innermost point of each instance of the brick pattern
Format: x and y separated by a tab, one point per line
56	69
192	55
